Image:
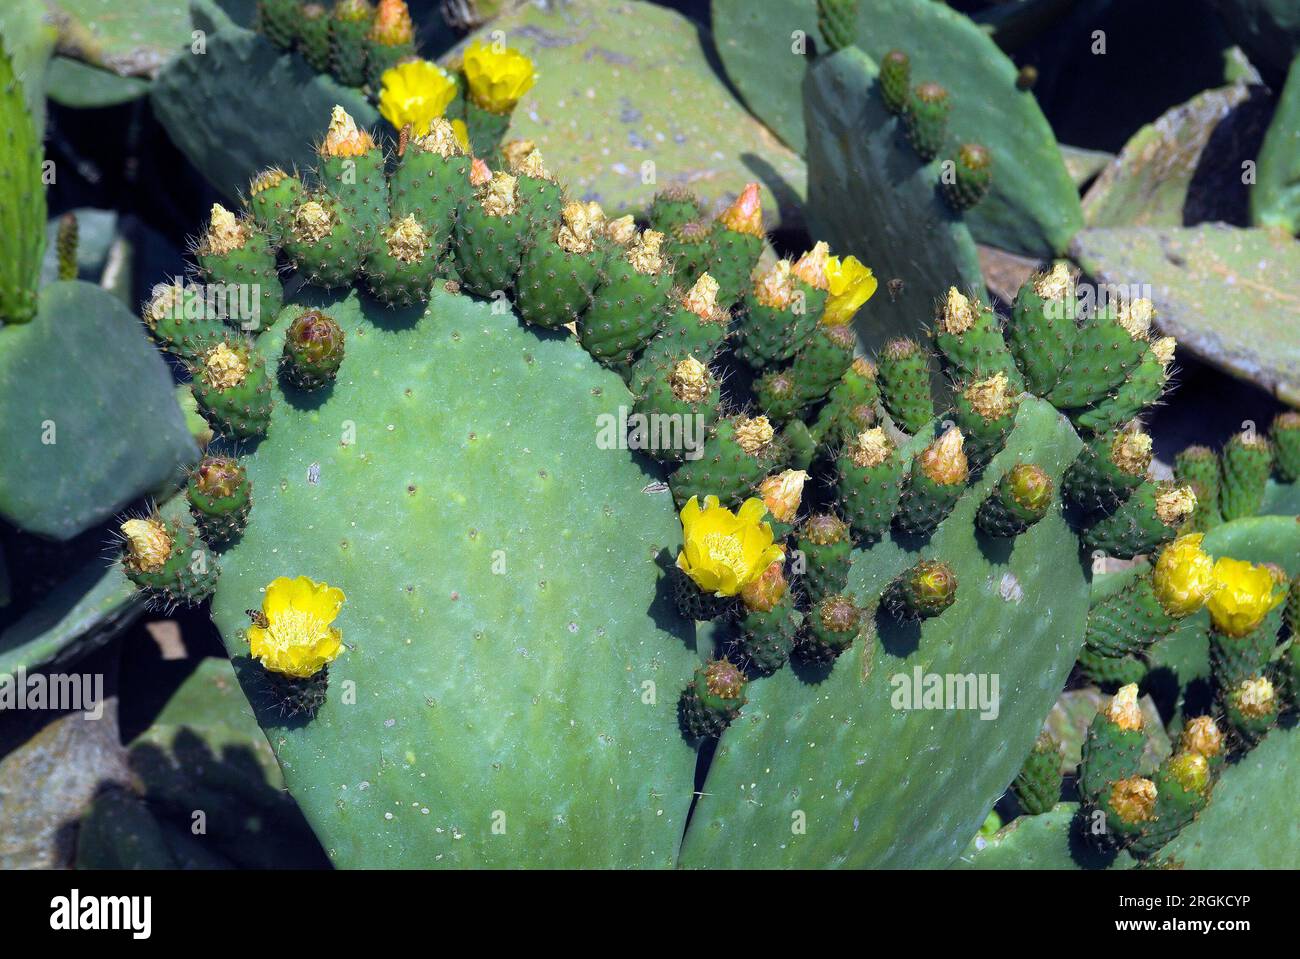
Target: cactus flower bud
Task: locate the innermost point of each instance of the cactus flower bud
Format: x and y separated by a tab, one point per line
1191	770
762	595
745	215
782	494
313	350
1030	487
927	589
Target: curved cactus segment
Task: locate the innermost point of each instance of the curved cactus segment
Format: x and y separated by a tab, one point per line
508	697
870	195
830	772
1049	841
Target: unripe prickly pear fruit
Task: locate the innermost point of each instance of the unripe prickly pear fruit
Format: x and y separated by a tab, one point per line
1041	329
273	195
629	304
713	699
1285	434
832	626
276	21
1106	349
837	21
1130	803
1198	467
66	244
1112	749
870	482
390	40
402	263
1021	498
970	178
313	36
234	252
168	560
741	451
1149	518
232	390
769	623
985	412
737	240
924	591
1247	461
1107	470
672	207
313	350
1108	672
220	495
827	552
937	480
903	369
349	27
895	81
926	119
181	321
1038	785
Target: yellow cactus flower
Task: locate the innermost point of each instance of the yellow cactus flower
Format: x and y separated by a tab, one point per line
297	639
1184	576
416	92
851	284
497	78
724	551
461	132
1243	595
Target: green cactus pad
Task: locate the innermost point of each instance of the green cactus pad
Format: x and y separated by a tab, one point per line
120	415
420	633
1023	619
1053	840
1110	672
1275	197
22	241
896	221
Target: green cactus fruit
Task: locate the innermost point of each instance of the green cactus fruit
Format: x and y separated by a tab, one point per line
969	337
1251	707
1183	784
1247	461
825	357
850	406
290	697
904	378
697	326
924	591
233	253
630	303
431	182
799	445
831	627
1112	671
541	198
826	548
349	27
689	248
737	241
673	394
560	269
220	497
870	482
1038	784
1201	734
313	350
273	196
1107	471
895	81
22	245
275	21
985	412
713	699
1130	620
181	320
1285	437
673	207
926	119
1234	659
1150	517
352	170
1198	467
970	177
491	233
778	395
1041	330
232	390
391	40
934	485
313	36
1021	498
740	452
769	622
782	309
321	242
168	560
1107	346
402	263
67	246
1142	387
837	21
1112	748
